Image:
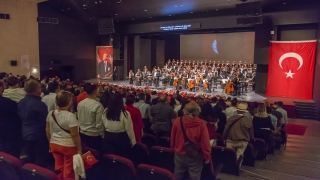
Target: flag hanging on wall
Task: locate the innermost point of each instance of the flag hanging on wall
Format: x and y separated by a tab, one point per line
291	69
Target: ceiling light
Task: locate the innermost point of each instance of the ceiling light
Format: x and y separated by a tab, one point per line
150	17
132	19
181	4
100	1
62	9
119	1
170	15
284	3
96	2
145	10
191	12
116	14
217	9
68	8
175	6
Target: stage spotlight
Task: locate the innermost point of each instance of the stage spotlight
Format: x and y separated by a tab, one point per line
119	1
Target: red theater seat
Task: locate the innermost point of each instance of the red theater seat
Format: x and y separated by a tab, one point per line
225	158
249	156
10	167
118	168
164	142
162	157
139	154
34	172
260	146
149	140
148	172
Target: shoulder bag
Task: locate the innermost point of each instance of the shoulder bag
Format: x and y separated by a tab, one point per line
190	148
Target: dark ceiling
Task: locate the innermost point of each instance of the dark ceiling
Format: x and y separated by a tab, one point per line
156	10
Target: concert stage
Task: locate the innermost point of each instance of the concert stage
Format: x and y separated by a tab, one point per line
249	96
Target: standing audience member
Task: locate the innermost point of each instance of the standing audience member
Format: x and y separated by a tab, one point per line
211	119
144	110
197	133
179	109
242	109
105	99
162	116
277	114
33	113
153	95
83	95
262	124
90	118
148	99
63	134
273	118
238	132
172	103
74	101
219	111
232	111
284	114
10	123
50	99
214	101
119	134
135	117
14	92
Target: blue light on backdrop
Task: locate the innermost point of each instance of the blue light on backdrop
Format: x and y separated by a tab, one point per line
215	46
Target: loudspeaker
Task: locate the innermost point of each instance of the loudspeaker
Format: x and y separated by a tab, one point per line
249	9
4	16
14	63
106	31
105	23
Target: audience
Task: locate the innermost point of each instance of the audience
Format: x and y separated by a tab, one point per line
196	131
135	117
119	134
262	124
14	92
238	132
63	134
33	113
210	117
10	123
114	121
144	110
283	112
50	99
162	116
90	118
232	110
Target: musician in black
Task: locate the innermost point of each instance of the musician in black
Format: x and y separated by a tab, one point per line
115	74
131	75
236	82
209	79
150	78
253	81
138	77
157	78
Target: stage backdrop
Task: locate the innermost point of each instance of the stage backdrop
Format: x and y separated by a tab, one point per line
104	62
218	47
291	69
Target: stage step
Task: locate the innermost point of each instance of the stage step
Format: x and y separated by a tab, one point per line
307	110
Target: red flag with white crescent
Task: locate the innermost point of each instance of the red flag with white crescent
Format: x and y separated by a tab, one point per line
291	69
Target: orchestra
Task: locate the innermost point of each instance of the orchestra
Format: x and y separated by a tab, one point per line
198	74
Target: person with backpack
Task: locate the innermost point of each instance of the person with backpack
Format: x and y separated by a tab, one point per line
191	143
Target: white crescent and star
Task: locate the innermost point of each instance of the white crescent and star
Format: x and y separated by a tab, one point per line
291	55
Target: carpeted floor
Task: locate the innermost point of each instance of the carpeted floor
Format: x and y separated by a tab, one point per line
296	129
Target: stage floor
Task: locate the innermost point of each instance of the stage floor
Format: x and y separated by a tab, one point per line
249	96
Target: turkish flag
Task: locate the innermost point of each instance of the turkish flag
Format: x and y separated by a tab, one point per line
291	69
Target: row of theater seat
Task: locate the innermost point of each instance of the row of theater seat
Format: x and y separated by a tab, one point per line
153	156
223	158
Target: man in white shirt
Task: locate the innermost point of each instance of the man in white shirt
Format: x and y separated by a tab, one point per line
14	93
50	99
283	112
144	110
232	111
90	118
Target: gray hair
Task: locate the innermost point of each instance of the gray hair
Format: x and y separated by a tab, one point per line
31	86
191	109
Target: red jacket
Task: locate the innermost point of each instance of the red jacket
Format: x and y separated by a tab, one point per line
197	132
136	121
